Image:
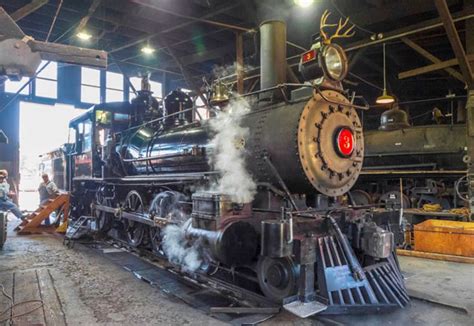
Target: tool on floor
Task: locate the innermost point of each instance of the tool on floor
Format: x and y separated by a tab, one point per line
77	229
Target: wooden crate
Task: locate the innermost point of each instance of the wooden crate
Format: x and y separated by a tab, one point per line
445	237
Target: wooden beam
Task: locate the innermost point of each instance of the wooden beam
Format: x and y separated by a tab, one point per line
28	9
90	12
392	11
430	255
154	6
455	41
218	11
432	67
410	30
431	57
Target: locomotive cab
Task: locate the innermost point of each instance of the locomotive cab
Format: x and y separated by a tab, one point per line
92	132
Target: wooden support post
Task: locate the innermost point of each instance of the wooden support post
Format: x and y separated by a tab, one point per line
430	57
28	9
239	68
455	41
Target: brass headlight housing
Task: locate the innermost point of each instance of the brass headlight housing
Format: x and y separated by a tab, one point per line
334	62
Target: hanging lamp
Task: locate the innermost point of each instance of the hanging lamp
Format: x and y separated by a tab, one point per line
384	98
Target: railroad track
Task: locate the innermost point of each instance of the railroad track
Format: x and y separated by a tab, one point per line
214	296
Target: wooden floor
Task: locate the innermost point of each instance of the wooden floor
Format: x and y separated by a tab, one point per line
33	298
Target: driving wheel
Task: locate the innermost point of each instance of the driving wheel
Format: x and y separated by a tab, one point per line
134	230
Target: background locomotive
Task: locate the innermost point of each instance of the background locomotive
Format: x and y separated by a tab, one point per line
250	195
430	161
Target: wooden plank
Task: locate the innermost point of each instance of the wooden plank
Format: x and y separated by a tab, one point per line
53	310
432	67
26	289
455	41
429	255
28	9
244	310
6	279
70	54
431	57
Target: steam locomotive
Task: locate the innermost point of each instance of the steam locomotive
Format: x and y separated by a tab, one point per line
431	160
146	172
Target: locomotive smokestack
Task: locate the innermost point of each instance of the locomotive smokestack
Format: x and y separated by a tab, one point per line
272	54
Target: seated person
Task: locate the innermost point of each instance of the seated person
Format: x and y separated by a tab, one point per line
5	202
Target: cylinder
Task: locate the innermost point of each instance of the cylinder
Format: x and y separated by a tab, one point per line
234	245
277	239
272	54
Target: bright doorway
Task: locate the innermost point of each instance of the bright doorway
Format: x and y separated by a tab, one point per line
43	128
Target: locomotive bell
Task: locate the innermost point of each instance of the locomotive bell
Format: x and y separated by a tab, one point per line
394	119
219	94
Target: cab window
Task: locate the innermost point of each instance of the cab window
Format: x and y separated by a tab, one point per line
87	145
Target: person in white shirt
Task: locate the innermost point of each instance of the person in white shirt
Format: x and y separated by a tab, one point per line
5	202
47	189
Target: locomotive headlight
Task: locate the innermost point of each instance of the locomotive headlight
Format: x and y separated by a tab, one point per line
334	62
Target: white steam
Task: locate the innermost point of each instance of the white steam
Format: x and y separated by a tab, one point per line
228	156
177	249
228	70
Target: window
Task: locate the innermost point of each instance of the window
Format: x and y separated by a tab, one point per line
137	84
90	85
201	110
114	87
85	135
47	80
155	87
14	86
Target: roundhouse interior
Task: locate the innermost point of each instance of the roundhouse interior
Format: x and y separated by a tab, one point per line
236	162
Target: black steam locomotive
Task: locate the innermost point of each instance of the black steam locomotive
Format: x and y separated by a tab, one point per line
146	172
430	160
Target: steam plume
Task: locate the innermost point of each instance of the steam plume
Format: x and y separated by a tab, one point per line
176	248
228	157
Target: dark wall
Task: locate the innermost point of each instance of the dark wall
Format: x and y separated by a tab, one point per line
9	123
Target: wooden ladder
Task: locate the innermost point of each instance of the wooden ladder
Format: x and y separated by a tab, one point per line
32	223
